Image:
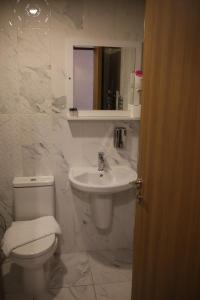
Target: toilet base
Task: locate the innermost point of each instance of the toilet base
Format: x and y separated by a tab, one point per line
35	272
34	281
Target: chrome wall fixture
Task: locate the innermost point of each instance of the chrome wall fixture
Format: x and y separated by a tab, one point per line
120	137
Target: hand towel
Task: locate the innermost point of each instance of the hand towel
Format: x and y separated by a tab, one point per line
23	232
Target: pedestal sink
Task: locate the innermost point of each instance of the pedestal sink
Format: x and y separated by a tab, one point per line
101	186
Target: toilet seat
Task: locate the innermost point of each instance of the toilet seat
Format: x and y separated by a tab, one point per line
35	248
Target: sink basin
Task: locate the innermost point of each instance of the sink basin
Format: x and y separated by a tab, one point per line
101	186
89	179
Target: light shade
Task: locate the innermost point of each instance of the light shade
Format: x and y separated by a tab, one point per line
33	10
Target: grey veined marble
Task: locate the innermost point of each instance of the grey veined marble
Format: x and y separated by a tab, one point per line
36	138
72	293
102	275
119	291
70	270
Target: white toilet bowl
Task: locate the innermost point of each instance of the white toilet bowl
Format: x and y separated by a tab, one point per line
32	258
34	197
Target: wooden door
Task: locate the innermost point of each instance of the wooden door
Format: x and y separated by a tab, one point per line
167	232
97	78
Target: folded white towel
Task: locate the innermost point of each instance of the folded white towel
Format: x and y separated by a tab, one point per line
23	232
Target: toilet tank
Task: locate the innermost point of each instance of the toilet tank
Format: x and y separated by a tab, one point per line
33	197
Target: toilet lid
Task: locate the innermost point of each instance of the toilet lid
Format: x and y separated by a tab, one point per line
35	248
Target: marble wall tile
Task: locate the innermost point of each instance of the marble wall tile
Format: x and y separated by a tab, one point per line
101	139
118	235
124	208
8	49
34	89
9	95
84	19
7	20
67	16
67	139
131	14
33	46
10	164
36	138
35	144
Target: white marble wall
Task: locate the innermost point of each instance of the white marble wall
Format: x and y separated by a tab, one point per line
35	137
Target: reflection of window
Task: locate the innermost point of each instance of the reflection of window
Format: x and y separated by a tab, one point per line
96	77
83	78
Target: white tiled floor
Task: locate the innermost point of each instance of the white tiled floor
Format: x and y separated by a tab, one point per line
17	297
98	275
70	270
114	291
72	293
110	267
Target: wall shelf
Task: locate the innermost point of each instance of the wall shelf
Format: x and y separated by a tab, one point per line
107	115
100	118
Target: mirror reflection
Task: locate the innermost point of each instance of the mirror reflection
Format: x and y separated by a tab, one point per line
102	77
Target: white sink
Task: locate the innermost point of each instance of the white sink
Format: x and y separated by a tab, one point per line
89	179
101	186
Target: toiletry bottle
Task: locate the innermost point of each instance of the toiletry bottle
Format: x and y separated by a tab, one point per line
73	112
120	103
117	100
109	100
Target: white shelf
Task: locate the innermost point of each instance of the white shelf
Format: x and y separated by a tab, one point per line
107	115
99	118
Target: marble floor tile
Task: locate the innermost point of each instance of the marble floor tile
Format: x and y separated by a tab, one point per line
111	266
12	278
71	277
18	297
70	270
114	291
72	293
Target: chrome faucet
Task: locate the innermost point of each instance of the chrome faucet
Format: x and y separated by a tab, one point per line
101	161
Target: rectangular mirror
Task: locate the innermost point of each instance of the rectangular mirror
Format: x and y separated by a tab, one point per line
101	78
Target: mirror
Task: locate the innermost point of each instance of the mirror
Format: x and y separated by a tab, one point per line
102	77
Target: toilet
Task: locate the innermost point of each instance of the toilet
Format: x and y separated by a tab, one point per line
34	198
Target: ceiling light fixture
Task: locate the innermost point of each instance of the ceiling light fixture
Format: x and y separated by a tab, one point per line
33	11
